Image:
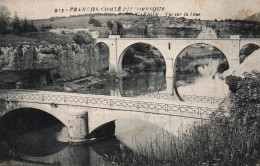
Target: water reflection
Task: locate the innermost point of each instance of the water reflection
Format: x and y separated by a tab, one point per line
133	136
134	84
42	147
205	82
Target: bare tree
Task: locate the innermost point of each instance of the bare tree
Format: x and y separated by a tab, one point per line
4	18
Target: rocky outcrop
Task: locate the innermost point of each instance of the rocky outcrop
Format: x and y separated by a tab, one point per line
50	62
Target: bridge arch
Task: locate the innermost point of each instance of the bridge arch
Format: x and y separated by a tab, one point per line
125	49
75	120
101	56
173	124
211	47
36	108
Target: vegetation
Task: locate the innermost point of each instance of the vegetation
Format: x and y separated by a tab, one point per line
109	25
231	139
4	19
118	28
143	57
83	38
247	50
91	20
95	23
19	27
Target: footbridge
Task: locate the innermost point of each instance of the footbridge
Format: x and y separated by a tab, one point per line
83	113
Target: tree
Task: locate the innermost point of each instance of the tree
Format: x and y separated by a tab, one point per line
109	25
4	19
146	35
120	28
26	27
16	25
213	26
96	23
32	28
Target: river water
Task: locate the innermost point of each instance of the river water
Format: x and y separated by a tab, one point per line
48	146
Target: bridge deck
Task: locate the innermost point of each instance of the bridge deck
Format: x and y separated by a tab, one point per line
155	106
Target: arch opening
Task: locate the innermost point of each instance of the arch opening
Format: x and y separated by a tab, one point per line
197	69
100	60
143	68
247	50
32	132
137	133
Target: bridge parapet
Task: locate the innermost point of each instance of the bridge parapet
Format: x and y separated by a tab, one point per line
163	107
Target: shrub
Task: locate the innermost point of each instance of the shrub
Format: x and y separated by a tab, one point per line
91	20
109	25
96	23
232	82
222	67
82	38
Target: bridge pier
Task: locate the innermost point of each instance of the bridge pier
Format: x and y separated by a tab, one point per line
169	85
113	57
78	129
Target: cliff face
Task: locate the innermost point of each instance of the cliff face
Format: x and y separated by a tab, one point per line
48	63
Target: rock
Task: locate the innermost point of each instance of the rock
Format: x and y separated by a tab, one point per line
69	62
71	86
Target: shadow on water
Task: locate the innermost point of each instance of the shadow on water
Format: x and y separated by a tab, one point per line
31	137
31	132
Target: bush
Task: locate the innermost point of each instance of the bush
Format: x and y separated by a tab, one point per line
96	23
91	20
232	82
109	25
222	67
81	38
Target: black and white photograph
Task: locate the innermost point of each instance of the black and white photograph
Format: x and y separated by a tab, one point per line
130	83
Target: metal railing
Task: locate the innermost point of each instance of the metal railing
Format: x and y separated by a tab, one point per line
108	102
155	95
187	98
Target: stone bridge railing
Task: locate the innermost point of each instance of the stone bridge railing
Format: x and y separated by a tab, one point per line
162	107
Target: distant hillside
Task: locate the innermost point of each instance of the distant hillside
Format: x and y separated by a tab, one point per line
255	17
79	21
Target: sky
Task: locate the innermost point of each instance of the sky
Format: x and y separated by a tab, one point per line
207	9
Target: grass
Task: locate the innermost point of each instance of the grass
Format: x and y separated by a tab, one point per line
35	38
11	39
80	21
68	22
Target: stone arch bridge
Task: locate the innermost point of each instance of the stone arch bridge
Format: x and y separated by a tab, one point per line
170	48
83	113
